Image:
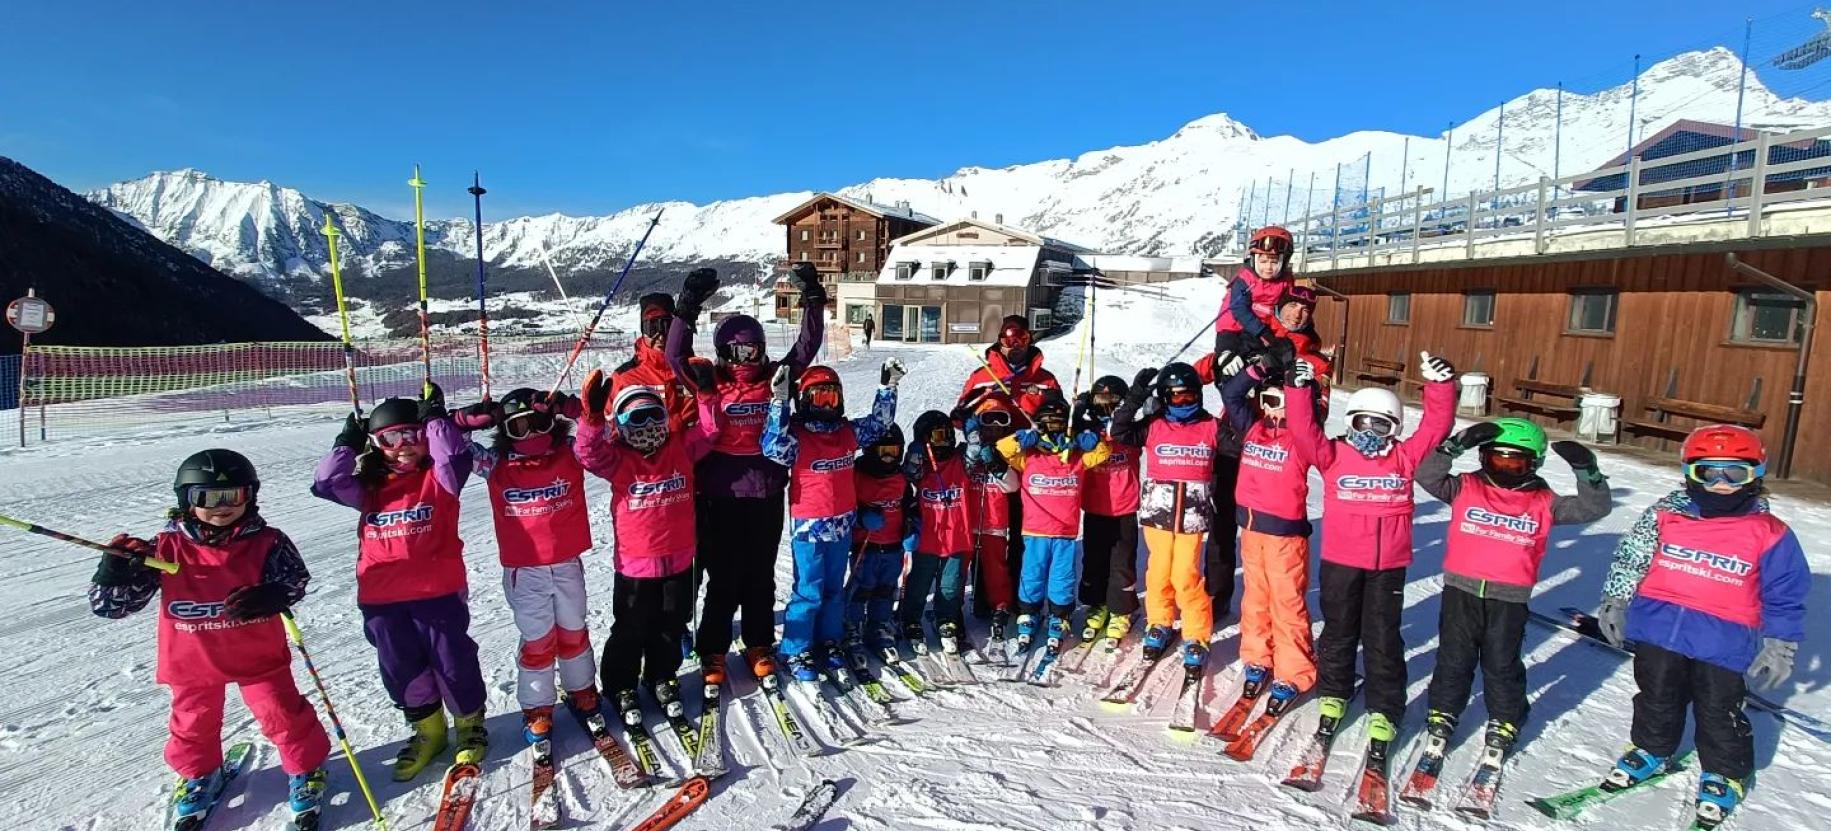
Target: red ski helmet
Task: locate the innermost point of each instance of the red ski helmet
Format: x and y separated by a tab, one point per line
1271	239
1724	441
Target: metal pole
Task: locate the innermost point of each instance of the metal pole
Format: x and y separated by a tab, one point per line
1449	144
1557	139
1735	136
1633	103
1308	196
1796	398
25	349
1289	180
1335	217
1404	163
483	287
1500	124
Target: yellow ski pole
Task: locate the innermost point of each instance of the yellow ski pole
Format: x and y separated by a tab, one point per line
419	245
298	640
166	566
343	315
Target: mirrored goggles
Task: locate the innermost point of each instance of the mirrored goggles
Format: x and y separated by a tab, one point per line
1271	398
404	435
995	418
1184	396
643	416
1374	423
1507	460
655	326
744	353
1014	339
530	423
1731	471
216	496
825	396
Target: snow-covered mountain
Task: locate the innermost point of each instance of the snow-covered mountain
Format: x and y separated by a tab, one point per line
1177	195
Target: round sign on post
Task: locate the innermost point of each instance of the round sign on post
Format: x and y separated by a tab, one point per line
30	315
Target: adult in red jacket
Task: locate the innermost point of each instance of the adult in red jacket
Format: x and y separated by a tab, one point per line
649	367
1013	369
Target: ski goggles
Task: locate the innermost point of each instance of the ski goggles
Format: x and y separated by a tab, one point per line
217	496
941	436
643	416
823	396
1508	460
525	424
744	353
1730	471
1014	339
1373	423
889	453
395	438
1051	425
1271	398
1183	396
995	418
655	326
1106	401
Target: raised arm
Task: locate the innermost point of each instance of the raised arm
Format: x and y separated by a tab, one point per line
285	568
335	478
1234	407
1592	501
1433	475
595	449
883	414
1306	433
702	435
450	452
810	337
1435	425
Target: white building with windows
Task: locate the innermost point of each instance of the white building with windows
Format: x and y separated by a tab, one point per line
954	282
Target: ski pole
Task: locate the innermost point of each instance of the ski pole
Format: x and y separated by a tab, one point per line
298	640
1191	341
419	244
1086	338
483	286
592	326
343	315
166	566
989	373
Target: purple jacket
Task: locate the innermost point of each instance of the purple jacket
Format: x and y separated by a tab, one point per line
731	476
335	478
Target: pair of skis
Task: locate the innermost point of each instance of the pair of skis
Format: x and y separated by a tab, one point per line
1372	791
236	761
1479	794
1569	804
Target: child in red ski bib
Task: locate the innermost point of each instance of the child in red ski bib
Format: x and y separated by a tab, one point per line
991	492
219	624
632	442
886	514
403	468
944	541
1109	505
537	501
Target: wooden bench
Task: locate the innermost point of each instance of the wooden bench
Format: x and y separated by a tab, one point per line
1662	408
1523	399
1384	373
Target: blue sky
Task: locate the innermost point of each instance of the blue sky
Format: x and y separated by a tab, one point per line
604	105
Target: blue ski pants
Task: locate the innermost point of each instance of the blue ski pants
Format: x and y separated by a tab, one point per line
871	590
817	603
1052	572
944	577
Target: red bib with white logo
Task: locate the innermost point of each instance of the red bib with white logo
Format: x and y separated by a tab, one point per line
885	495
746	407
198	642
1180	451
1051	490
944	502
539	506
651	502
409	548
821	484
1112	488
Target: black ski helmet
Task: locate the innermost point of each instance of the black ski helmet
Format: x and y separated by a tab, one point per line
928	422
1112	384
394	412
869	462
219	468
1178	376
1054	408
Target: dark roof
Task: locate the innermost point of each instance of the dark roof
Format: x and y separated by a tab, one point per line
1686	136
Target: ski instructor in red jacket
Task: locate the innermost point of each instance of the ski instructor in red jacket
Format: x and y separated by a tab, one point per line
1013	369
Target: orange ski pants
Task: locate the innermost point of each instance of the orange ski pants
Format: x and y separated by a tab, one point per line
1274	616
1173	583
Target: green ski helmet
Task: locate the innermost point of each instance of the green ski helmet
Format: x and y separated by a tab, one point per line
1520	433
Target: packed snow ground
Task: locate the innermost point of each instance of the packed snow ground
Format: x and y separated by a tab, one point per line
82	723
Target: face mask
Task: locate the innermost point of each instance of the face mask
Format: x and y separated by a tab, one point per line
1711	504
1182	412
1369	443
539	444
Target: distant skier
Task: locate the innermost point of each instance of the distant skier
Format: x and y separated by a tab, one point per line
740	491
629	441
403	468
543	527
1109	550
1366	533
1500	523
870	327
218	625
817	444
945	512
1711	586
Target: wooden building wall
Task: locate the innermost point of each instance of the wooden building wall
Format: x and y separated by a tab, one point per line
1671	333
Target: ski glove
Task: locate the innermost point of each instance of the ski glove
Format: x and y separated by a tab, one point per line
253	602
116	570
1773	664
807	281
559	403
432	403
1086	441
699	287
700	374
1148	408
1435	369
1612	619
892	373
779	387
355	434
596	393
479	416
1141	384
871	518
1580	458
1302	374
1475	436
1028	439
1228	364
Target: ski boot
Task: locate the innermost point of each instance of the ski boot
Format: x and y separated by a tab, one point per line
1026	631
585	703
1717	797
712	669
1502	735
426	743
1156	640
629	708
537	724
1117	627
883	637
1257	676
1001	624
762	661
1095	623
802	667
1059	627
953	639
1381	729
305	792
1634	767
473	738
1332	710
1283	694
191	800
667	697
1195	656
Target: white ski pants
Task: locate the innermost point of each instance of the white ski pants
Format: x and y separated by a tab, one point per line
549	607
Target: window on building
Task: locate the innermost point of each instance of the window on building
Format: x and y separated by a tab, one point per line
938	271
1398	307
856	312
1767	317
861	256
905	271
968	235
979	271
804	235
1478	308
861	236
1592	311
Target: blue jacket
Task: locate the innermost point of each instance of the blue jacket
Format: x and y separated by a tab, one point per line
1785	581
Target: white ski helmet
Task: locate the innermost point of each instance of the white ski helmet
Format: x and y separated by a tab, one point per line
1379	401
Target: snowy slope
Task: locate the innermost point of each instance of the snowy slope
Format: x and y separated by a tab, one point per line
1177	195
81	722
